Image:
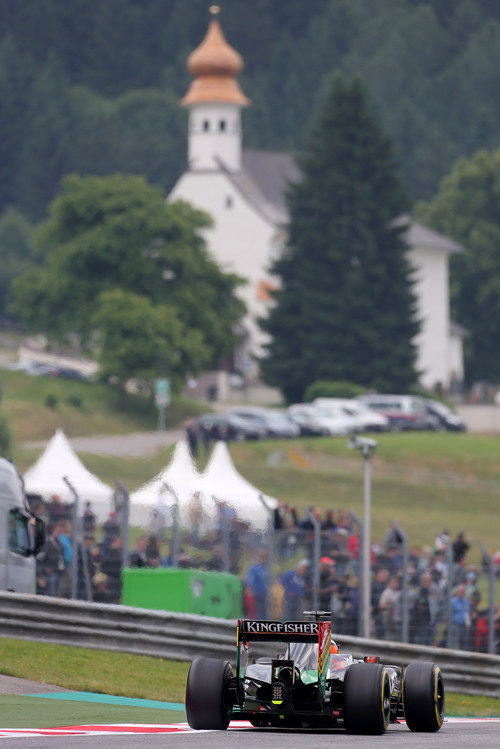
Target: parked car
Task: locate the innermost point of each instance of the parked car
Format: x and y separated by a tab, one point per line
447	419
333	408
275	422
335	425
230	426
365	418
309	422
403	411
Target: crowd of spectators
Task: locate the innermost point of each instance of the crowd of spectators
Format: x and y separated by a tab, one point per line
277	572
99	562
433	573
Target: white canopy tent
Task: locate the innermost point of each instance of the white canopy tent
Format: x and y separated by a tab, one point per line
46	477
222	481
180	474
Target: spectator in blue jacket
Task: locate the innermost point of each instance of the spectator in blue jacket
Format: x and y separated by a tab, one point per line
257	582
460	619
294	584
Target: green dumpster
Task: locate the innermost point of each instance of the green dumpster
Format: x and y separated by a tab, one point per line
189	591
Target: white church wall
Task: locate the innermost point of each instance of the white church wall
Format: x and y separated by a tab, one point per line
240	240
431	288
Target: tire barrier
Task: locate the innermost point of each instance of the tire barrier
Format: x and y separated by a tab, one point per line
182	637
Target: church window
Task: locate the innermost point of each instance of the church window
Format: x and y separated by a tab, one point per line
222	125
229	201
206	125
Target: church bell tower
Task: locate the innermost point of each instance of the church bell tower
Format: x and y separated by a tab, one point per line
214	101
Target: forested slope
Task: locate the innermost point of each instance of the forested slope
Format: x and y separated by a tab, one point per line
92	86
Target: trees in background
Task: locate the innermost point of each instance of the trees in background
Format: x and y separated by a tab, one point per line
345	309
16	250
93	87
126	274
467	208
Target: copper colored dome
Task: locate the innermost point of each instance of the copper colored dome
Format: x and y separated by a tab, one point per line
214	66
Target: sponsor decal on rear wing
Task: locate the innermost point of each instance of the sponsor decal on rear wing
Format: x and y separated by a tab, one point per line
250	629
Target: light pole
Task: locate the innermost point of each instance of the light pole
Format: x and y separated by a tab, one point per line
367	447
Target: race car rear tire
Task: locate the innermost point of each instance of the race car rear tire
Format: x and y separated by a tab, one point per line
367	698
423	697
207	694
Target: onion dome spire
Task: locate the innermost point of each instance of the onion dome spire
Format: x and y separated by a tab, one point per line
214	65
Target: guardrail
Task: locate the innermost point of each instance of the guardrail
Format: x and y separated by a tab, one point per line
164	634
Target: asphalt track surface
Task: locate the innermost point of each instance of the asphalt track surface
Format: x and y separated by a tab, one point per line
455	733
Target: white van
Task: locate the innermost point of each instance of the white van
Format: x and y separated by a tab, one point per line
403	411
22	534
364	417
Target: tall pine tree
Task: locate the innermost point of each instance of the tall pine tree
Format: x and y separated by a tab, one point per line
345	309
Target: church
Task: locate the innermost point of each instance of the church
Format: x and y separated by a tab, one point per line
244	192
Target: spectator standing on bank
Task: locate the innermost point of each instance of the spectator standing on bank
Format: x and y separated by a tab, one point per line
326	582
257	581
56	509
192	437
460	619
378	587
53	562
387	606
138	557
294	583
460	548
89	520
421	615
153	555
86	568
111	565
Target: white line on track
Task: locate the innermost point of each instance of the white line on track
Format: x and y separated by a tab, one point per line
125	729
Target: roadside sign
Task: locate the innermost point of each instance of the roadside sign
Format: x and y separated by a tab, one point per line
162	392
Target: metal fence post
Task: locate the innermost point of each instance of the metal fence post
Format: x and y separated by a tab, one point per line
491	602
174	557
356	519
124	495
75	537
225	535
447	612
404	591
367	447
270	550
315	560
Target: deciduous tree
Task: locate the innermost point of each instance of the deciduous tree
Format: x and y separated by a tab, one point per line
467	208
117	234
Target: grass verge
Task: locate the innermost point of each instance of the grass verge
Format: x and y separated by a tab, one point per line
86	670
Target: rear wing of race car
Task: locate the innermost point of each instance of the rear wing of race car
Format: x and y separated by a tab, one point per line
267	631
315	632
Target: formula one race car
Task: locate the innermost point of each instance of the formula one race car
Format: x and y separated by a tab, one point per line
308	683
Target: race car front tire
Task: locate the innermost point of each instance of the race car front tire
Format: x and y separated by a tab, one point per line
423	697
367	698
207	693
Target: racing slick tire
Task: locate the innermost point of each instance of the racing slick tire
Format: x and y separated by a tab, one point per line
423	697
367	698
207	692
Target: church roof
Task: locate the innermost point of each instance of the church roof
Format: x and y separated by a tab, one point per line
419	235
264	179
214	64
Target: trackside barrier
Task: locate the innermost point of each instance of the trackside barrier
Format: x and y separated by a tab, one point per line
183	636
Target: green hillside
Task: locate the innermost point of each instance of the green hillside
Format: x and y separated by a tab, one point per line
428	482
37	406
